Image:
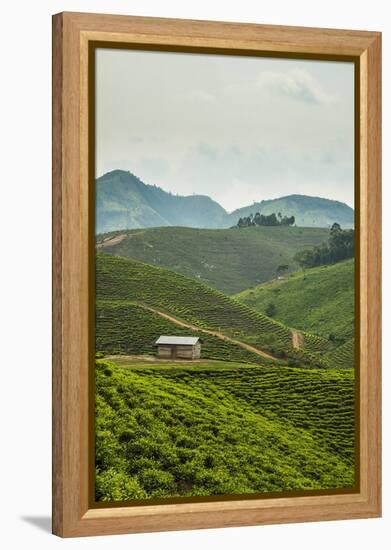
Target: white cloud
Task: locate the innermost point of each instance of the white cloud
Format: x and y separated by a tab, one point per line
296	84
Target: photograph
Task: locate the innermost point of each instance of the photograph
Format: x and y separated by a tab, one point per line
225	284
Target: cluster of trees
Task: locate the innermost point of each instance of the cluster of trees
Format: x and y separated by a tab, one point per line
340	247
262	219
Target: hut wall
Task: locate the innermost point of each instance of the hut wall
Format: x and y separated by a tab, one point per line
184	352
197	351
164	352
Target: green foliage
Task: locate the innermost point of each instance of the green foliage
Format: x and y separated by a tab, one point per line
266	220
321	302
155	481
340	247
116	485
270	310
283	268
216	429
225	259
307	211
343	356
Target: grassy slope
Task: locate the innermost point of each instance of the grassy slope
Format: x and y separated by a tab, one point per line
321	301
230	260
127	329
211	430
124	280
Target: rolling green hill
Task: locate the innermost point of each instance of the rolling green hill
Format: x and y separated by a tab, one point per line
229	260
129	281
320	301
212	430
122	284
123	201
308	211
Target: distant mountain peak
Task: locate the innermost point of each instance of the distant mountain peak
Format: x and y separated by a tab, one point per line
124	201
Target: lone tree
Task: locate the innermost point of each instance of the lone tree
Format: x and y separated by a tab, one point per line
270	310
281	269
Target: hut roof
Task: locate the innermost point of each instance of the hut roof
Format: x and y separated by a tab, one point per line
179	340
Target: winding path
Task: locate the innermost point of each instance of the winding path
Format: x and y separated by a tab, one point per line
297	339
217	334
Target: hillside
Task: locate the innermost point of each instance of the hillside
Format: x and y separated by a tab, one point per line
343	356
229	260
128	329
211	430
308	211
320	301
122	283
130	281
123	201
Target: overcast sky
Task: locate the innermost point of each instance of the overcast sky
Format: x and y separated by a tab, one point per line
237	129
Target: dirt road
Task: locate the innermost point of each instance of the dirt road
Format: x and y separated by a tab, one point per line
297	339
217	334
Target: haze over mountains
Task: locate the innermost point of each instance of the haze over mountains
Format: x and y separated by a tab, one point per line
123	201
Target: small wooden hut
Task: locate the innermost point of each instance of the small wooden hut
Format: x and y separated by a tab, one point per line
178	347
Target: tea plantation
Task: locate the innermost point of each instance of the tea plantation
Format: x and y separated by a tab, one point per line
121	279
220	428
343	356
319	301
127	329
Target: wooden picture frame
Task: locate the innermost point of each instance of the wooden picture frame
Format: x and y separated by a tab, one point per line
73	34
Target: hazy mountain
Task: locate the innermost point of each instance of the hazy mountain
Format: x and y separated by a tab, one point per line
308	211
123	201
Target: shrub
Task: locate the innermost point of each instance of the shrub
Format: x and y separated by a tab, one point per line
153	480
271	309
113	485
126	436
185	442
293	363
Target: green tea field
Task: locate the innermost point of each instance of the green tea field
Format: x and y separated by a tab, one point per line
319	301
124	280
220	428
123	283
127	329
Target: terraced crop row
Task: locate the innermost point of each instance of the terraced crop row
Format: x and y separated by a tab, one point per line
123	279
196	432
342	357
127	329
320	401
316	344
